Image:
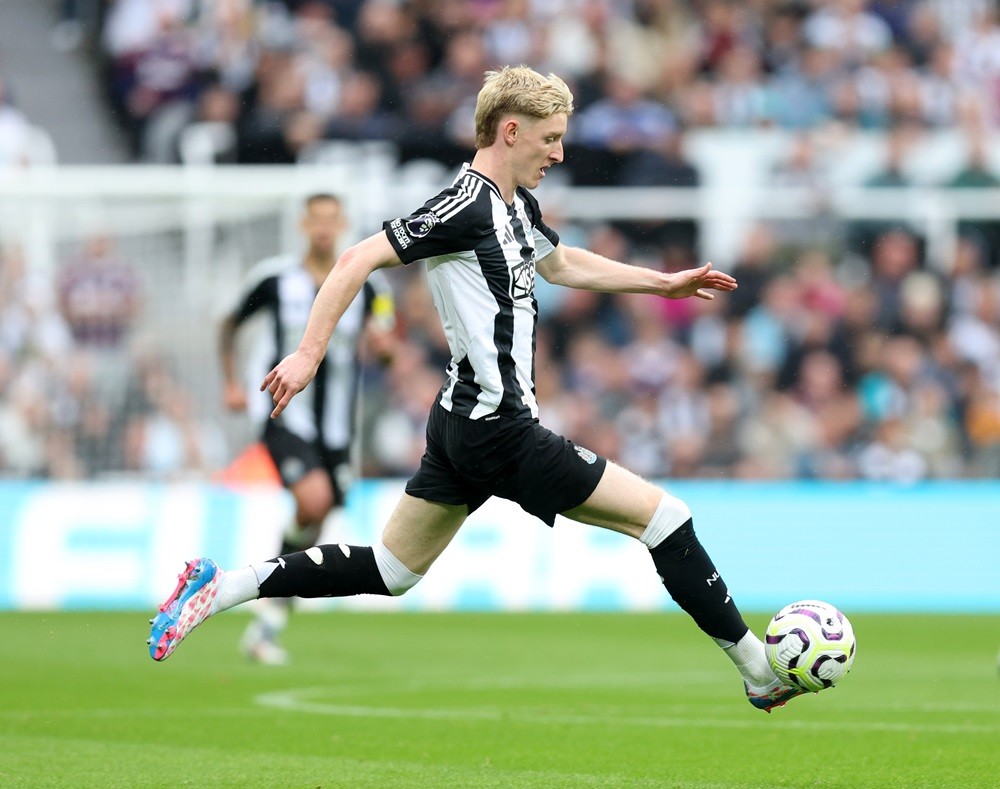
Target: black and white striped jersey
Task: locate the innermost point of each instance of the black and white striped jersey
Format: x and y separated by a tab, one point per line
481	256
284	291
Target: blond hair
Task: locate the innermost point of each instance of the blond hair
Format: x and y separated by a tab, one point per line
518	90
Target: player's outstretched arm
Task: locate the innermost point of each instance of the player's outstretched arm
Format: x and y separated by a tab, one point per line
343	283
585	270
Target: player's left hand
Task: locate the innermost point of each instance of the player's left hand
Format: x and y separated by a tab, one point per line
290	377
697	282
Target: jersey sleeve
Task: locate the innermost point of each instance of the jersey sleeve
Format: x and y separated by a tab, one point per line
546	239
451	222
263	294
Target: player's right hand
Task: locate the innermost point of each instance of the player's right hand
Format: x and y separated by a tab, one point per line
290	377
234	397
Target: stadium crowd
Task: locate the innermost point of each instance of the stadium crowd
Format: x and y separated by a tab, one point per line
79	399
285	75
847	352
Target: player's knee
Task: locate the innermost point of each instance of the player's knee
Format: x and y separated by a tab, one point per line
314	511
671	513
314	497
313	502
397	578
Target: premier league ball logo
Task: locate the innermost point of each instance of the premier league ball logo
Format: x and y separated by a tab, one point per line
420	226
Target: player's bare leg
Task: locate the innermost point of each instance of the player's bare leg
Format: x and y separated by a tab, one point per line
626	503
418	531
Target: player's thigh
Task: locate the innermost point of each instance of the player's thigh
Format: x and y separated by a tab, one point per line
419	530
314	496
622	501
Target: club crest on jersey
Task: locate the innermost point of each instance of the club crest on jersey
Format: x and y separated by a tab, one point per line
588	457
420	226
522	280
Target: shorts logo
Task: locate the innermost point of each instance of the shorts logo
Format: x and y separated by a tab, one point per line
420	226
588	457
293	469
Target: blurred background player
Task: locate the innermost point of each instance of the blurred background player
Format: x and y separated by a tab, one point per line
311	443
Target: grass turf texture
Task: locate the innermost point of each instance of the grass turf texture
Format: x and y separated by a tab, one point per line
467	700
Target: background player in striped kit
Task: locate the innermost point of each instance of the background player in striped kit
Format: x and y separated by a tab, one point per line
310	444
483	240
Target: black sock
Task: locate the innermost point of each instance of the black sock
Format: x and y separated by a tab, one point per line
695	585
345	570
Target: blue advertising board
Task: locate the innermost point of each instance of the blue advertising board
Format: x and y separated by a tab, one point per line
864	547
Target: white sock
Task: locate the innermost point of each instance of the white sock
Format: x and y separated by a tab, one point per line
395	575
671	513
748	656
235	587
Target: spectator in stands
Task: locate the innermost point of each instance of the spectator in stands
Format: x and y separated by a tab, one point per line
849	29
277	95
359	114
99	295
782	36
156	72
894	255
974	328
739	94
25	421
509	36
977	49
626	121
724	26
34	348
978	174
621	134
889	457
444	92
982	424
921	307
15	132
861	234
165	437
805	169
802	98
939	94
820	389
659	45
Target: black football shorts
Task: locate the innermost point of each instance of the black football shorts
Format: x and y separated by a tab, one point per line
469	460
295	457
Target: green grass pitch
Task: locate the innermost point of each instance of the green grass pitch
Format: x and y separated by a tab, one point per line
486	700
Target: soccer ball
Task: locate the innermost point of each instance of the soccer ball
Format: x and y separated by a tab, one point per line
810	645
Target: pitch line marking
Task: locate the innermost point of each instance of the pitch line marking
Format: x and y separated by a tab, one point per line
297	701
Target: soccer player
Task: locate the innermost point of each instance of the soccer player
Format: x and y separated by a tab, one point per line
483	240
310	442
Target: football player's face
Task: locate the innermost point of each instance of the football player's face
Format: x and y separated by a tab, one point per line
540	143
322	224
